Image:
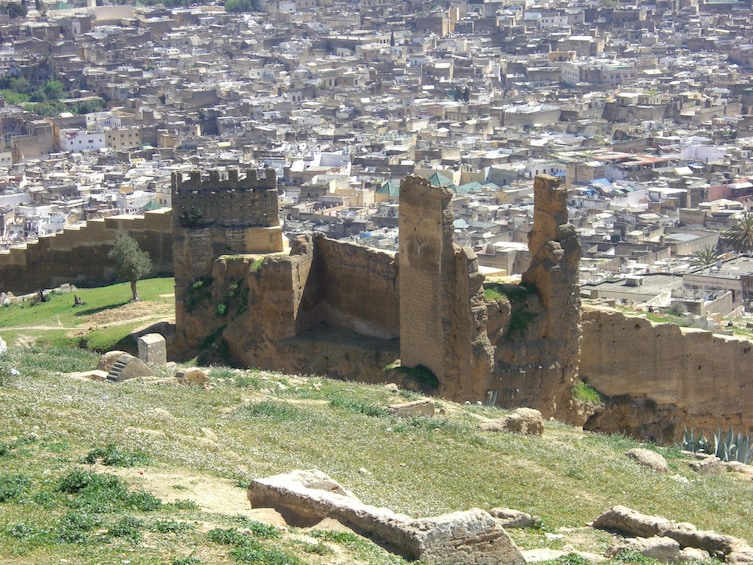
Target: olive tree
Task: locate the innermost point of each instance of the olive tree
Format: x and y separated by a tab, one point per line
130	262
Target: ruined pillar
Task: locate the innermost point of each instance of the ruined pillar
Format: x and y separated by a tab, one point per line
442	313
426	258
555	258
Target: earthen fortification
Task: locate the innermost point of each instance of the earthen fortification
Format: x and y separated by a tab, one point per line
214	216
660	378
78	254
419	316
422	317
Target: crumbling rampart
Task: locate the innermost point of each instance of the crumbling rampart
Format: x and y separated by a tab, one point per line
78	254
350	311
214	216
660	378
442	311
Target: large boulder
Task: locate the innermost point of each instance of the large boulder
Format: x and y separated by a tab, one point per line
526	421
648	458
627	521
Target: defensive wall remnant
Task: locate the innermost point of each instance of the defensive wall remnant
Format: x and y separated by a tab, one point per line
214	217
349	311
661	378
78	254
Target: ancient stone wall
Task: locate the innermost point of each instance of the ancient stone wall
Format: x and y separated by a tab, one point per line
240	202
442	311
327	308
538	333
427	262
357	288
659	378
212	217
78	254
349	311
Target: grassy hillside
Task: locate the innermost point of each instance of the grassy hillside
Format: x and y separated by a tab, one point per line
106	318
179	459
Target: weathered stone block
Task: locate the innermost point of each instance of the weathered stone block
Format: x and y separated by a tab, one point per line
471	537
153	350
128	367
423	407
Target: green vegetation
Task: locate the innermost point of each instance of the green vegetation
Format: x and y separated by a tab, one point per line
15	9
131	263
586	394
253	413
104	321
517	295
238	6
706	256
44	99
492	293
728	446
263	423
114	457
255	265
740	234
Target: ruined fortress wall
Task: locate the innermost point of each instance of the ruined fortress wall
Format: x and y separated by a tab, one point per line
660	378
324	285
537	364
235	201
359	289
78	254
426	265
215	216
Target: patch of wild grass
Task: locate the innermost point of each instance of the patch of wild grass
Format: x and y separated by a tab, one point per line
58	316
357	406
112	456
246	549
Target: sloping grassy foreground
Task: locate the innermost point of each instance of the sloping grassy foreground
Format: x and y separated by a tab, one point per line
106	318
253	424
171	464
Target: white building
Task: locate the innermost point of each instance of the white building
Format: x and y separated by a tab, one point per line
76	140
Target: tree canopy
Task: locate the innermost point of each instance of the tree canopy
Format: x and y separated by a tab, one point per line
16	9
740	234
130	262
706	256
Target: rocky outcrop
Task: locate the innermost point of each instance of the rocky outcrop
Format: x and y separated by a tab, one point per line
307	497
659	378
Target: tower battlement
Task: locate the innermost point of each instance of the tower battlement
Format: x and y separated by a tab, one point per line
232	202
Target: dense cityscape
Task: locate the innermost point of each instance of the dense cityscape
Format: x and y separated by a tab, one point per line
645	111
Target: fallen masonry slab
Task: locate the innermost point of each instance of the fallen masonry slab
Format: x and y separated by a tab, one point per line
423	407
128	367
625	520
470	537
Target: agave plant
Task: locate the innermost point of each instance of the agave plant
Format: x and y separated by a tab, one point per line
733	446
693	444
